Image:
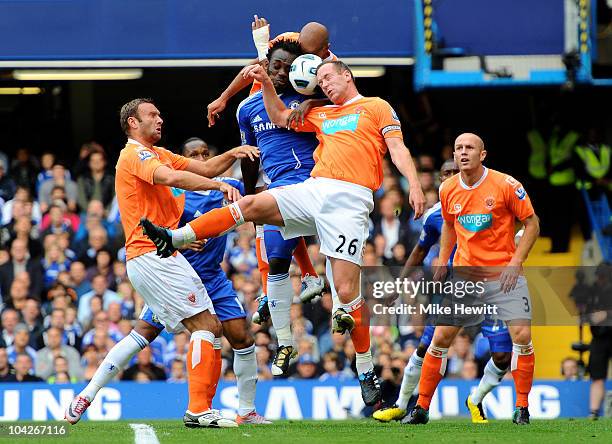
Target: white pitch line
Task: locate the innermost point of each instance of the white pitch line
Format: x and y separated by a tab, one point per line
144	434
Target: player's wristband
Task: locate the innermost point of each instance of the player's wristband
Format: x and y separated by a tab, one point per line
261	36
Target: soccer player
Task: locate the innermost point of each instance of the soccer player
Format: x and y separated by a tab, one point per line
496	332
286	158
205	259
334	203
313	38
479	207
170	286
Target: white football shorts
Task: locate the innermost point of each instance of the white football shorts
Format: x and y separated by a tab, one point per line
170	287
335	210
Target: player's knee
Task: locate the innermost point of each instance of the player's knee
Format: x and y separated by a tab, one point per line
501	359
247	205
347	291
147	331
240	340
521	335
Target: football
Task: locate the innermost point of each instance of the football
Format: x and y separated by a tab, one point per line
303	73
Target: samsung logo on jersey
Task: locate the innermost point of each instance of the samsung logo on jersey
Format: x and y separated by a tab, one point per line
345	123
476	222
264	126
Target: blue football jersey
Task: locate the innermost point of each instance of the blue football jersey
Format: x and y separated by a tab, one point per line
430	234
286	156
207	262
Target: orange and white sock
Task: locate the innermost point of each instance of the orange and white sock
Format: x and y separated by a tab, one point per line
360	334
212	391
303	259
200	370
432	372
522	367
262	257
211	224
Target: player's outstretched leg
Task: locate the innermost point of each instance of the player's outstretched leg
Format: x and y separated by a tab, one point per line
113	363
160	236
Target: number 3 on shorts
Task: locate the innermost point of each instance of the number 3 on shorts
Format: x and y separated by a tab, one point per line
352	246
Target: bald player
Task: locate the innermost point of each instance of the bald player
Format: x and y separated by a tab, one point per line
480	207
313	38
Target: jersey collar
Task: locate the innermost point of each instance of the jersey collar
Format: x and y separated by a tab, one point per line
482	178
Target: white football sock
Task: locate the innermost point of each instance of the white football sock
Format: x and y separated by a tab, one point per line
491	378
364	362
280	296
245	369
113	363
412	374
182	236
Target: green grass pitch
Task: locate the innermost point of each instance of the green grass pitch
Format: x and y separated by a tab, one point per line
353	431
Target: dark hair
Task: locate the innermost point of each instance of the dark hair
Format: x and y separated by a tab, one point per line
340	67
130	109
286	45
191	140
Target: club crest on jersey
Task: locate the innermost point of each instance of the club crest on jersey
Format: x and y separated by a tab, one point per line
294	104
344	123
322	116
191	297
144	154
520	193
476	222
457	207
490	202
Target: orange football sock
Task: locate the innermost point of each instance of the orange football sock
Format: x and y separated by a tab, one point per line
217	370
432	372
522	367
200	370
361	332
216	222
303	259
262	260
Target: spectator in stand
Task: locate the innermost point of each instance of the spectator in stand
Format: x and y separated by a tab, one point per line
20	261
100	289
7	372
60	372
90	361
22	204
97	240
7	185
125	290
58	173
72	329
177	371
47	160
120	272
81	165
331	366
469	371
103	342
53	264
570	370
144	364
53	348
78	276
22	229
96	183
23	369
101	322
242	257
20	344
93	218
57	319
33	321
9	320
391	228
104	267
18	294
24	168
58	221
306	368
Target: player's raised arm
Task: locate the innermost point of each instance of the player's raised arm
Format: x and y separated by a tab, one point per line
276	109
402	159
217	106
222	162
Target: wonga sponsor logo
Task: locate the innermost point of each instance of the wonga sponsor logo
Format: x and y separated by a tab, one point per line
344	123
476	222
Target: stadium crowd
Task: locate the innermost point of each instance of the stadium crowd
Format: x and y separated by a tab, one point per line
66	299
